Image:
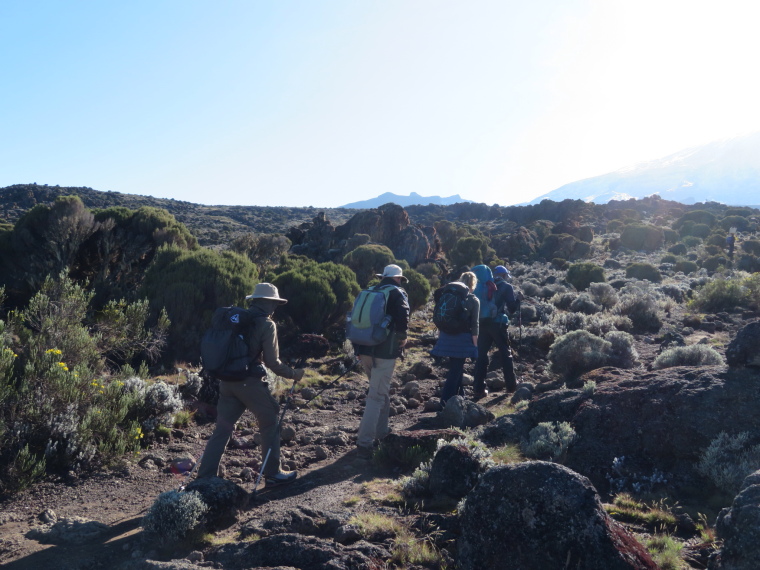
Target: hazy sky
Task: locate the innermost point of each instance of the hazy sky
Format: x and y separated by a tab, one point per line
325	102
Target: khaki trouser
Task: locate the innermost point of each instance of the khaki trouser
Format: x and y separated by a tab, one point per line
234	398
374	422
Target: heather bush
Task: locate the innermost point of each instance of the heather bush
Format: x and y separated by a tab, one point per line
695	216
748	263
577	352
418	289
584	304
685	266
563	300
733	221
642	237
319	294
603	294
678	249
565	321
714	262
692	355
691	241
643	271
368	260
751	246
603	323
640	303
549	441
622	353
669	259
581	275
173	515
728	460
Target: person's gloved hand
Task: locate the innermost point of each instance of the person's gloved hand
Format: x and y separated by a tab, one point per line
520	296
298	374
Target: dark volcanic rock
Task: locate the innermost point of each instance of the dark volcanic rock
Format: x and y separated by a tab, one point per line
659	420
739	527
743	349
540	515
454	471
291	550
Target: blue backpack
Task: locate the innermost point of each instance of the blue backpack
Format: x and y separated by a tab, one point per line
485	290
368	324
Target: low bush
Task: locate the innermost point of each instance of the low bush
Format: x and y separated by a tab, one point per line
581	275
642	237
583	303
173	515
718	295
577	352
729	459
603	294
643	271
692	355
641	305
685	266
549	441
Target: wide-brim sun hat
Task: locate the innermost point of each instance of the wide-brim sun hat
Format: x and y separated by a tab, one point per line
501	270
392	271
266	291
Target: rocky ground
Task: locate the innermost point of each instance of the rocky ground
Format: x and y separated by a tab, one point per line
99	515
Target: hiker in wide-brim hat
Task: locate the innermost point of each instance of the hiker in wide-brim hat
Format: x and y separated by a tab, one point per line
393	271
253	393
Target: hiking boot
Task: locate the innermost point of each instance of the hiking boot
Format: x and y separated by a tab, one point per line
282	478
479	395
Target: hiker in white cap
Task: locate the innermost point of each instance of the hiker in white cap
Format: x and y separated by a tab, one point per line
380	360
253	393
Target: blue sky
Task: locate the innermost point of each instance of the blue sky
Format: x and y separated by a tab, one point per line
325	102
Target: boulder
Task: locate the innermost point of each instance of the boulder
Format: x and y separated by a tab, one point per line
660	421
462	413
223	498
539	515
743	349
454	471
739	528
290	550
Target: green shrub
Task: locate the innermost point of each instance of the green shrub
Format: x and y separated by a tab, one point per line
669	258
418	288
25	470
641	306
577	352
642	237
583	303
190	285
691	241
319	295
581	275
728	460
368	260
714	262
751	246
678	249
696	216
685	266
622	352
470	251
549	440
173	515
643	271
719	295
739	222
692	355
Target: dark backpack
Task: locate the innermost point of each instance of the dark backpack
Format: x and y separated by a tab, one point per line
368	324
450	314
224	348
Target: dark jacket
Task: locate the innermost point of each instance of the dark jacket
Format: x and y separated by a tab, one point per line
398	309
460	345
505	297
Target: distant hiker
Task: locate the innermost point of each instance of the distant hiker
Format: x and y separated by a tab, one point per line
253	392
493	330
459	340
379	360
731	243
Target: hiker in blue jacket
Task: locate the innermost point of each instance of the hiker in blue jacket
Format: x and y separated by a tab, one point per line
493	331
459	347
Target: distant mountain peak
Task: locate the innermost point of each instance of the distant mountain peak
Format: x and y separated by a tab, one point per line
414	199
726	171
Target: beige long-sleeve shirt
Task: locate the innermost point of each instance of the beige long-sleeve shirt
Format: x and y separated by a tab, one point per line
264	346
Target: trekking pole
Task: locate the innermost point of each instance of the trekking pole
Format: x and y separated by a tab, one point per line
334	382
519	320
279	423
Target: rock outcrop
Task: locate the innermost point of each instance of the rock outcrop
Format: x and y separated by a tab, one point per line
743	349
659	421
739	527
540	515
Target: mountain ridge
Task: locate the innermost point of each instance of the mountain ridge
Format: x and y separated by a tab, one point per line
413	199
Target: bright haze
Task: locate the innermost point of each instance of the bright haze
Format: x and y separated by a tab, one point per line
298	103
